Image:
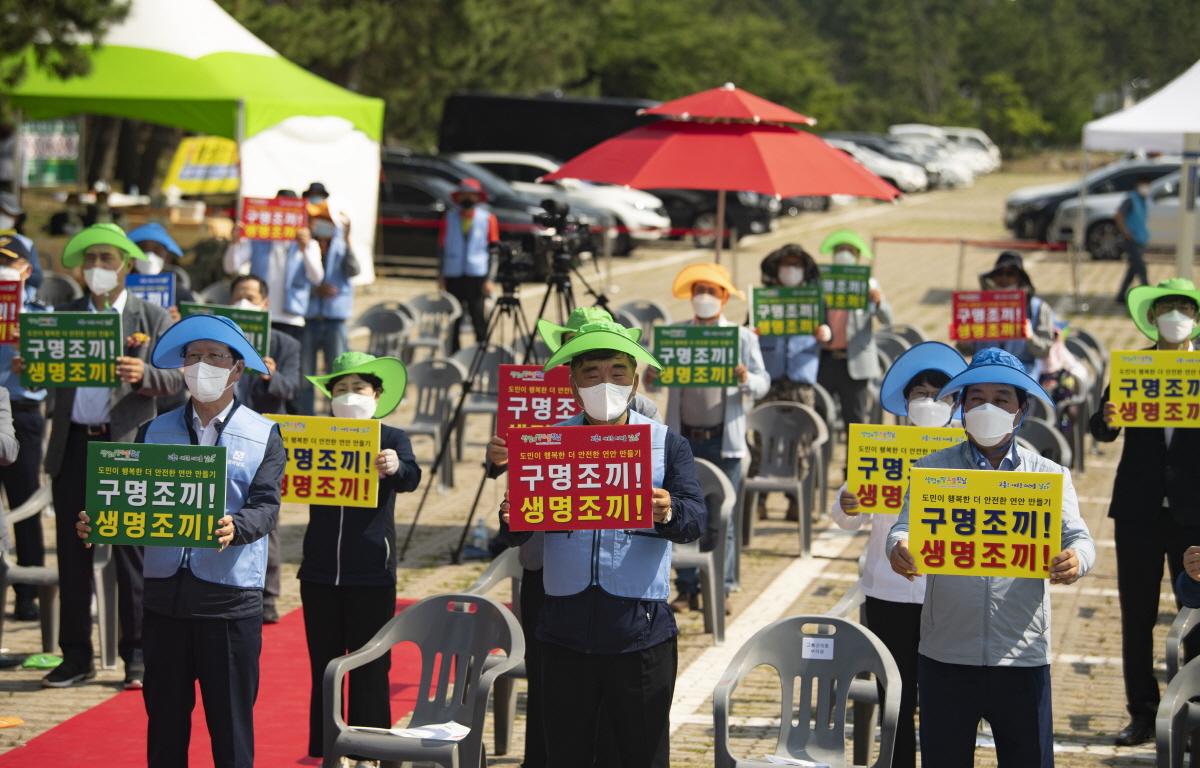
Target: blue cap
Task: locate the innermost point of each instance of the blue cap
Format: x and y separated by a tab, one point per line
928	355
995	366
168	351
156	233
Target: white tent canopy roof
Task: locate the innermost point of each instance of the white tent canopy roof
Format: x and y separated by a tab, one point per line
1157	123
190	29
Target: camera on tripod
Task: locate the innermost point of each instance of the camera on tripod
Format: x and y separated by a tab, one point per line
565	237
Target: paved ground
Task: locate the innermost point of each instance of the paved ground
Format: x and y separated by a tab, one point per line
1088	697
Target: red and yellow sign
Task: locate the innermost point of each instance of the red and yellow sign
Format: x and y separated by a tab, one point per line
580	478
272	218
1156	388
881	457
988	315
527	396
329	461
11	299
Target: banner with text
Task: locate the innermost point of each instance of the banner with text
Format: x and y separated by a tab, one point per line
978	522
696	355
580	478
987	315
275	218
1155	388
845	286
158	290
155	495
255	324
330	461
70	349
12	298
786	311
527	396
879	459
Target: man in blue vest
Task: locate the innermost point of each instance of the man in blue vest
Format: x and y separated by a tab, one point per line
203	607
465	259
608	636
1131	220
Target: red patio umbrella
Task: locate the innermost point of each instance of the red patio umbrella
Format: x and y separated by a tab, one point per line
728	103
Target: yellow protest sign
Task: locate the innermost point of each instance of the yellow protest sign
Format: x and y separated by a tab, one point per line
979	522
879	459
204	165
1155	388
330	461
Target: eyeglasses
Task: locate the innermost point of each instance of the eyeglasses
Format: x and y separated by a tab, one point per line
220	359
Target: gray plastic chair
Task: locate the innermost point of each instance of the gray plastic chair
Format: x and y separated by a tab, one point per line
217	293
387	330
1089	340
1178	717
1046	440
720	500
432	387
856	650
910	333
57	289
780	427
183	279
1040	410
647	314
457	634
506	567
45	579
436	316
891	345
1186	622
828	409
484	399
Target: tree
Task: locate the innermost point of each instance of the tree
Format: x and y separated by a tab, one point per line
54	33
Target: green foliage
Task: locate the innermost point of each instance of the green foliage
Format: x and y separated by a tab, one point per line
51	31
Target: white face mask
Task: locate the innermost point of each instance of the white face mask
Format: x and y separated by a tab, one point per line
988	424
706	306
8	273
791	276
844	257
152	265
205	382
353	405
927	412
100	281
246	304
605	402
1175	327
6	221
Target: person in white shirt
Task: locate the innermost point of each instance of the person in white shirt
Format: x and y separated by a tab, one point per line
893	603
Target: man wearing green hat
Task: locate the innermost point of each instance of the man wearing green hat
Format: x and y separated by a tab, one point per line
608	636
1155	502
85	414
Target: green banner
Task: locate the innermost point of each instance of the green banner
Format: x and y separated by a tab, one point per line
696	355
255	324
787	311
155	495
845	285
49	153
70	349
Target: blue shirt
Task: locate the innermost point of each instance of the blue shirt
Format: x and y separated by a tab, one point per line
1007	464
1187	590
793	357
1133	209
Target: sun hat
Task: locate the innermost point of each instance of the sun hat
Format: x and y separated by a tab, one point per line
552	334
847	237
168	351
469	187
705	272
316	188
99	234
156	233
601	334
995	366
389	370
1141	299
1009	260
928	355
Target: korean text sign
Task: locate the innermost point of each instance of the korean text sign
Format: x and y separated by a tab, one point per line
845	286
1156	388
988	315
531	397
255	324
978	522
158	290
155	495
881	457
11	299
70	349
580	478
787	311
330	461
272	218
696	355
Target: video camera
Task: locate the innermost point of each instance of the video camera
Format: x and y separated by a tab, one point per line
565	238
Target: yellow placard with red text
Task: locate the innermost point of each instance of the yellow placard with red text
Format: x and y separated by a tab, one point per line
880	457
1155	388
330	461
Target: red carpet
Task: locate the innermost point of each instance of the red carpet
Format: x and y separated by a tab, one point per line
114	733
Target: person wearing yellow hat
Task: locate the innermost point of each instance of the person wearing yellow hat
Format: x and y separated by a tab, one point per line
1155	502
86	414
713	419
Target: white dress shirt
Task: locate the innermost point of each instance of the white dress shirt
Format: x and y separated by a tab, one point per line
237	261
208	434
92	404
878	579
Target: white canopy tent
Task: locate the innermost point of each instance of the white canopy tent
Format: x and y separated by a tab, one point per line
1166	121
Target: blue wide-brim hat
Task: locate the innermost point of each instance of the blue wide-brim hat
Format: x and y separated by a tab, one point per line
156	233
168	352
995	366
928	355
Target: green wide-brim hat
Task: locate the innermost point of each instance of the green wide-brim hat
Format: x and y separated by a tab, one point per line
580	316
1142	298
99	234
389	370
847	237
603	334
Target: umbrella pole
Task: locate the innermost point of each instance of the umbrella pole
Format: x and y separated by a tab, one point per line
720	226
1186	250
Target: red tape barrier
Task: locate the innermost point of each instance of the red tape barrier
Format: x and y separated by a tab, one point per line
402	221
1011	245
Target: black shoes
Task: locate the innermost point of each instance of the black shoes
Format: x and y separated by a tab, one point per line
26	609
1139	731
68	674
270	614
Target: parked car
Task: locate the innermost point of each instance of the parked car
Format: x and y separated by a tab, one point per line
1103	238
955	169
798	204
891	148
904	176
639	215
975	138
748	213
979	161
1029	211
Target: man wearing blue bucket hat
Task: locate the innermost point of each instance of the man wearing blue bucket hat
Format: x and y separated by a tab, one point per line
162	254
985	634
203	607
